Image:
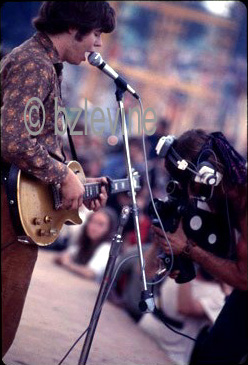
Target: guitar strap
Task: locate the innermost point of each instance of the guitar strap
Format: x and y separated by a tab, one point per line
9	178
72	146
58	68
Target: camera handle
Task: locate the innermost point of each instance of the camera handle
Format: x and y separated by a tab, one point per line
183	264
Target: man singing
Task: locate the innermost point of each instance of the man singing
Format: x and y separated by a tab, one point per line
65	32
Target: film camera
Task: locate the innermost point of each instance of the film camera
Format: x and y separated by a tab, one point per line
207	230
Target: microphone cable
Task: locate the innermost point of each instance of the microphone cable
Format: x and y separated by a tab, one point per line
154	207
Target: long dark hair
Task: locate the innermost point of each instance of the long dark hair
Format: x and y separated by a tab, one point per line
225	159
189	146
197	146
86	248
57	17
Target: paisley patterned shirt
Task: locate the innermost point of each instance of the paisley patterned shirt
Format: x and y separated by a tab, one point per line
33	70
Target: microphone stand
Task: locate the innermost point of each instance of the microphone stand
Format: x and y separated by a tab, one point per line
106	281
146	303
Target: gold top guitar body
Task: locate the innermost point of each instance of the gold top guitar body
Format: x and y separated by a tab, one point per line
40	220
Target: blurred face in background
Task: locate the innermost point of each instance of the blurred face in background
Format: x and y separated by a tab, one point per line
97	226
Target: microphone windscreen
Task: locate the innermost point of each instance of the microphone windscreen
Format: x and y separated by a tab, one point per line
95	59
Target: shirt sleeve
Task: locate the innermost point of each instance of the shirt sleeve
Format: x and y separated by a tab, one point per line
21	82
99	260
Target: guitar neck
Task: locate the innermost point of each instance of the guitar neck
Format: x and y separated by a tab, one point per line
93	190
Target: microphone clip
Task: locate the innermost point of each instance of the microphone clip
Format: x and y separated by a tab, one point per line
146	303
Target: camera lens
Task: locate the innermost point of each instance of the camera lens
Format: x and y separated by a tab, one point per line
173	188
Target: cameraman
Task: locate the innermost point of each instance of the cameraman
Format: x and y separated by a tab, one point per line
226	342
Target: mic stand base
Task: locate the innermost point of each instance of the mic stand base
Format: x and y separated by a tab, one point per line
103	291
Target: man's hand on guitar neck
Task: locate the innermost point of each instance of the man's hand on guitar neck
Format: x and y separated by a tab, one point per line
101	201
72	191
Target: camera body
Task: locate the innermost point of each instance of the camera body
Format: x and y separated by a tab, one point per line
170	214
207	230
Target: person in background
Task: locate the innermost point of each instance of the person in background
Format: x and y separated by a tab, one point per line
89	255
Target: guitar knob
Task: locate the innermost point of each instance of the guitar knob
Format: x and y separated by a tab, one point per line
37	221
53	232
42	232
47	219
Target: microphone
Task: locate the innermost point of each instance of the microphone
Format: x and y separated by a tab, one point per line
95	59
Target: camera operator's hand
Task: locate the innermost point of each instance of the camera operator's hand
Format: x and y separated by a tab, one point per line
178	240
174	274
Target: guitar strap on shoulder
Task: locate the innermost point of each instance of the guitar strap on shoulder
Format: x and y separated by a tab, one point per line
72	146
58	68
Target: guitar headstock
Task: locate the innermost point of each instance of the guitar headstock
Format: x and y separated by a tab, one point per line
122	185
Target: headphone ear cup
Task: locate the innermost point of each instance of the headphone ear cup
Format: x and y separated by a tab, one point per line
164	145
206	174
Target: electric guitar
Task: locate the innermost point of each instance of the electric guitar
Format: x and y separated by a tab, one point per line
37	203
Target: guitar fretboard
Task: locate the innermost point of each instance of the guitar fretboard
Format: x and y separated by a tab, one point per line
120	185
93	190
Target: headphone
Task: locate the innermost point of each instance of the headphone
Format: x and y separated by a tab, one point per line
204	172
